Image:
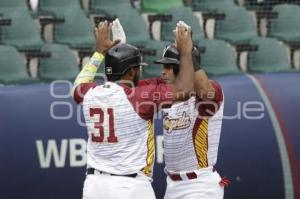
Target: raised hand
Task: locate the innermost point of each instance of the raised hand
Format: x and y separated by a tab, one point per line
103	40
183	38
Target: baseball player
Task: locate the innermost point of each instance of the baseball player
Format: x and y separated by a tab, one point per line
118	115
191	134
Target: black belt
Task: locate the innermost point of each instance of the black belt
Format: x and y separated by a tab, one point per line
92	171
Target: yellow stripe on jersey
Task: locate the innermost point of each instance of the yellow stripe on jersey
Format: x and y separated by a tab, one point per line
151	149
201	143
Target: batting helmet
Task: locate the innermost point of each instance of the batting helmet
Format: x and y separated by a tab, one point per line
171	56
120	58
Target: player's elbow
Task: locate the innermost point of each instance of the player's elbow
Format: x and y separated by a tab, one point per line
206	94
77	94
184	92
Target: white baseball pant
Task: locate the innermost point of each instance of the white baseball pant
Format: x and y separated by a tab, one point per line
205	186
105	186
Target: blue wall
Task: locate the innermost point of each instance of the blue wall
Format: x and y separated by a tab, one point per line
248	154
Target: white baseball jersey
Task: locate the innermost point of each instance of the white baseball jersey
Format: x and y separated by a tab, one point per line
119	120
120	141
191	141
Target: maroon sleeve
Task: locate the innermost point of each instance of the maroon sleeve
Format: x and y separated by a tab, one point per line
149	99
210	107
81	90
149	81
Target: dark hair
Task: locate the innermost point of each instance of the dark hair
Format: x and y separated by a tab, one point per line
176	69
113	78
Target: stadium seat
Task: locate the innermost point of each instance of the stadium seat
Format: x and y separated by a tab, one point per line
185	14
286	26
58	6
23	32
219	58
76	31
12	66
266	5
61	65
238	26
135	27
212	5
9	5
153	70
254	5
105	5
271	56
158	6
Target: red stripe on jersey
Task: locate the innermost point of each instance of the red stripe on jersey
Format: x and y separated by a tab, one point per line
149	98
81	90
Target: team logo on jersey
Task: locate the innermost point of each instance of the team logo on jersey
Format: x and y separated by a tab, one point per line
181	122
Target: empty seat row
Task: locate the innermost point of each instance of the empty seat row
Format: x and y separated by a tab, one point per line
61	64
236	28
76	30
220	58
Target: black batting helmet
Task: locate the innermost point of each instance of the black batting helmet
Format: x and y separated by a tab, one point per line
171	56
122	57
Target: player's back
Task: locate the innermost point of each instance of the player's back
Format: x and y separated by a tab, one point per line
118	137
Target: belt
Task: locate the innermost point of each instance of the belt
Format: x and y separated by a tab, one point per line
177	177
92	171
189	175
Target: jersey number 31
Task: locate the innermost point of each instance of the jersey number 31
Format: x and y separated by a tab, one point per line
99	125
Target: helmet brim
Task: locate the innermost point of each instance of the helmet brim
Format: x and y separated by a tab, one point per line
166	60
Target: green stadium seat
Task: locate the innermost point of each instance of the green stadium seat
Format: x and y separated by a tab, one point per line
135	27
105	5
158	6
12	66
9	5
153	70
58	6
287	26
254	5
184	14
76	31
265	5
23	32
212	5
271	56
238	26
61	65
219	58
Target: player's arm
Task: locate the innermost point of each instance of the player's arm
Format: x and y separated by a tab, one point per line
84	80
209	94
184	82
203	86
